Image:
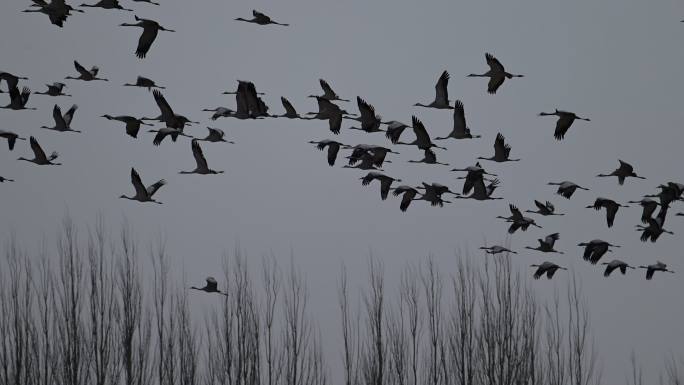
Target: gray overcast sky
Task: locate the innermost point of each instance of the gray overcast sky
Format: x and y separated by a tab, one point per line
617	62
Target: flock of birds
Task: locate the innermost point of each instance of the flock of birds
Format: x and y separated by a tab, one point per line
478	184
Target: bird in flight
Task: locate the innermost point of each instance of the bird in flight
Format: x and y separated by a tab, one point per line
497	74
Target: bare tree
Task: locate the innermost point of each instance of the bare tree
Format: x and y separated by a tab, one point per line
583	367
297	330
186	341
432	284
410	297
271	278
462	326
350	331
373	367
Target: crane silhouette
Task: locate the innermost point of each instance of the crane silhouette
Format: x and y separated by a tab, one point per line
19	99
502	151
107	4
422	140
142	193
649	206
144	82
429	157
497	74
595	249
215	135
616	264
566	188
658	266
545	209
385	182
202	166
565	120
11	138
3	180
517	220
86	75
328	93
210	287
441	94
150	31
496	249
333	149
62	122
54	89
39	155
162	133
548	268
132	124
546	244
611	207
460	129
261	19
624	171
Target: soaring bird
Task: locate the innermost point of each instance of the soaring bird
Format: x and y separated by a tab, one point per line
433	193
3	180
474	173
422	140
429	157
326	109
12	81
63	122
616	264
394	130
202	166
669	193
107	4
144	82
385	182
655	226
565	120
624	171
39	155
54	89
441	94
480	191
376	153
56	10
496	74
658	266
548	268
210	287
370	122
11	138
649	206
546	244
150	30
496	249
132	124
142	193
328	93
18	100
261	19
167	131
215	135
167	116
502	151
566	188
518	221
86	75
460	129
408	194
220	112
290	111
333	149
544	209
611	207
595	249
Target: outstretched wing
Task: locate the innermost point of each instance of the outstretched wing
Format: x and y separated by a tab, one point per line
563	125
164	107
459	118
145	42
69	116
81	70
494	63
153	188
37	150
140	189
327	90
199	155
289	108
515	211
441	91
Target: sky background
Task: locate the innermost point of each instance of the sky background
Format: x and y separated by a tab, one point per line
617	62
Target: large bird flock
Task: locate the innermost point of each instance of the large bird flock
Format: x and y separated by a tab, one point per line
478	184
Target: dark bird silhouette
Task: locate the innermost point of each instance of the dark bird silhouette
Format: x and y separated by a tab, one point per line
497	74
441	94
202	166
3	180
394	130
132	124
370	122
261	19
376	154
611	207
333	149
19	99
616	264
649	206
595	249
474	174
146	1
12	81
210	287
11	138
215	135
86	75
429	157
546	244
658	266
408	195
565	120
497	250
566	188
422	140
56	10
144	82
167	131
290	111
460	129
167	116
326	109
39	155
54	89
669	193
433	193
385	182
480	191
624	171
655	227
150	31
548	268
544	209
107	4
518	221
502	151
220	112
328	93
142	193
62	122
